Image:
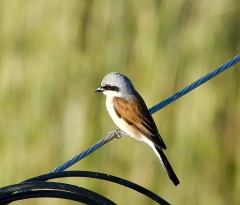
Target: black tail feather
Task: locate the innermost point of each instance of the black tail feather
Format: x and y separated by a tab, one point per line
166	165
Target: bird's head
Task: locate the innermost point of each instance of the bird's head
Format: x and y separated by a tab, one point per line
116	85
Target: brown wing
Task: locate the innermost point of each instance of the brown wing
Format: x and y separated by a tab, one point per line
134	111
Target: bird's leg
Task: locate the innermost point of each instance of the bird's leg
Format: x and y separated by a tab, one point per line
117	132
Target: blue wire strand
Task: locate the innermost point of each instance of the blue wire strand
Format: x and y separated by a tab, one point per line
195	84
86	152
152	110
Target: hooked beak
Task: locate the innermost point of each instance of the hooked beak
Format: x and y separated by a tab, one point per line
99	90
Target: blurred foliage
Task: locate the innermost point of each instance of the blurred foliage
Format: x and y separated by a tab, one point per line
53	54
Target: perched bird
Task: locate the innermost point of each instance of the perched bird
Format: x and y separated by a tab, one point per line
130	113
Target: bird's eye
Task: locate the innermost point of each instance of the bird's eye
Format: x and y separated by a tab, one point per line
112	88
107	87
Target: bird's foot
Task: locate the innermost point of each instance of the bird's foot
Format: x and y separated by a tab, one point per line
117	132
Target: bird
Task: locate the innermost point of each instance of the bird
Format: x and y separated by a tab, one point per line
129	112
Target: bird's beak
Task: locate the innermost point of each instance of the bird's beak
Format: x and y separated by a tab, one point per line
99	90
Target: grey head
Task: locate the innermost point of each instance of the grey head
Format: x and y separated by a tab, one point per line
118	83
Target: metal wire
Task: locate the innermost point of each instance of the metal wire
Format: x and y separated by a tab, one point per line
195	84
167	101
35	188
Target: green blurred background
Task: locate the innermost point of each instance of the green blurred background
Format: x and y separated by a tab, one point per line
53	54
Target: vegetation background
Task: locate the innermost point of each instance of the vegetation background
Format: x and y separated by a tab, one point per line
53	54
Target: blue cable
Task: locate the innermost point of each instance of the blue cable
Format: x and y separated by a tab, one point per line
86	152
195	84
175	96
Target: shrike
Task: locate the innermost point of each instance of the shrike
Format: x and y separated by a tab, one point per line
130	113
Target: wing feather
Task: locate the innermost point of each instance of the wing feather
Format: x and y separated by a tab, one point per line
134	111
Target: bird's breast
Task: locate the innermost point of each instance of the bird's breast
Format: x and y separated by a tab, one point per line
121	123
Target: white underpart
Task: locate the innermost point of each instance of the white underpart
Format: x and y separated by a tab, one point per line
159	158
121	123
124	126
146	140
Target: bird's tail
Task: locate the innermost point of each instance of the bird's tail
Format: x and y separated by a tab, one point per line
166	165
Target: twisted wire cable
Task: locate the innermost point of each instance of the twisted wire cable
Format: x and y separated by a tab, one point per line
167	101
195	84
86	152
